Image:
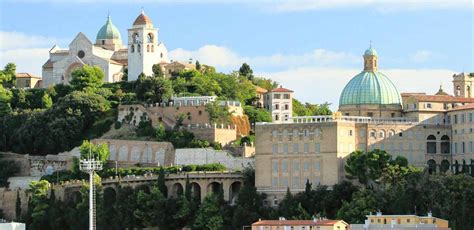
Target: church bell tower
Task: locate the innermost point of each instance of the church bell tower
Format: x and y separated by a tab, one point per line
144	50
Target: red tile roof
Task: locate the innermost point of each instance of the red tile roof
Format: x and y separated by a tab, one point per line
281	90
295	223
142	19
442	98
463	107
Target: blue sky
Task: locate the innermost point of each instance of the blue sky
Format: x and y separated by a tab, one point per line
313	47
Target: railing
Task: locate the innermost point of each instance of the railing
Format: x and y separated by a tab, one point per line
355	119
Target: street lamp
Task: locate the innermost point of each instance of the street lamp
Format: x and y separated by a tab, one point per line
90	166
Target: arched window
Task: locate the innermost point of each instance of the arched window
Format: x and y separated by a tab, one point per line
152	48
468	90
149	38
132	49
139	48
391	132
147	48
306	132
431	166
431	144
317	132
445	145
373	133
444	166
161	55
382	133
136	38
458	91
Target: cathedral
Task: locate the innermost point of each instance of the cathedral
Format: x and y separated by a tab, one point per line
142	51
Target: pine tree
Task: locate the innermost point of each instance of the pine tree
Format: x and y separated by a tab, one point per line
161	182
187	189
18	206
198	65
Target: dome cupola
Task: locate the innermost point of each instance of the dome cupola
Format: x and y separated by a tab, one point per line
143	21
370	88
108	31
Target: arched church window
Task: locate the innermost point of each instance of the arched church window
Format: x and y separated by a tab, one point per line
468	89
458	90
161	55
132	49
149	38
147	48
139	48
103	42
136	38
445	144
81	54
431	144
152	48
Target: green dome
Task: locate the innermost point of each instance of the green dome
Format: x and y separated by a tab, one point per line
370	87
108	31
370	51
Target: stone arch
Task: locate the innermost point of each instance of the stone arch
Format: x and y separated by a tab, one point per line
123	153
147	155
431	144
381	133
113	152
444	166
213	188
373	133
234	190
196	191
70	69
135	154
445	144
150	37
143	187
110	196
391	133
177	190
431	166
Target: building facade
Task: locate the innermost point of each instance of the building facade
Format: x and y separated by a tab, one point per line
27	81
279	102
429	130
315	224
380	221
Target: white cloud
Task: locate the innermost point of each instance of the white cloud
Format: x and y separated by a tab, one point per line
385	5
318	85
422	56
28	52
226	59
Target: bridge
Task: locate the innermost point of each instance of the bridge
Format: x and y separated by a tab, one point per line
202	184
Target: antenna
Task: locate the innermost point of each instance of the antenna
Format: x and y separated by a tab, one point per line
370	44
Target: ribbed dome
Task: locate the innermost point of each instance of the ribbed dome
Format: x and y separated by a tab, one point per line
108	31
370	51
370	87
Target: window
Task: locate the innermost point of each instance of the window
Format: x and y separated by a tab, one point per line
139	48
350	133
428	105
276	117
149	38
362	132
147	48
306	147
136	38
103	42
373	134
286	96
277	106
284	182
81	54
306	166
306	132
284	166
274	148
296	166
287	107
275	166
274	181
152	48
296	148
381	134
285	148
276	96
393	115
370	114
317	166
296	182
317	148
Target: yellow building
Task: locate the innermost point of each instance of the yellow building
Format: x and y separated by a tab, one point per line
426	129
379	221
27	80
283	224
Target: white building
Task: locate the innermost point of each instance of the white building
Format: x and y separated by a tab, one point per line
279	102
109	53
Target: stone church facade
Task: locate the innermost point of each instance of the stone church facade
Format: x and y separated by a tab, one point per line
143	50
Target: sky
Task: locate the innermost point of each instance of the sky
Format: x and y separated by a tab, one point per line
313	47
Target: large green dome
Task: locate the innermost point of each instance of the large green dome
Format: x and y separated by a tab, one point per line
370	87
108	31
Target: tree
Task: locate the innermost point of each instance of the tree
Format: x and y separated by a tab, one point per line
87	77
161	182
151	208
18	206
246	71
157	71
209	215
198	65
39	203
46	100
153	89
367	167
8	75
363	202
5	97
218	114
257	114
7	169
96	151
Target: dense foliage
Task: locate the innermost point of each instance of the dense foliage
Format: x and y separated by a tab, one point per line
308	109
7	169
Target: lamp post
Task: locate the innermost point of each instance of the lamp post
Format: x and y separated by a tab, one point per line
90	166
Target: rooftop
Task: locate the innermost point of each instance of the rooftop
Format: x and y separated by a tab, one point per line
355	119
26	75
296	222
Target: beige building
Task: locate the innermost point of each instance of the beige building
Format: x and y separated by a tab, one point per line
379	221
316	224
28	81
434	130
